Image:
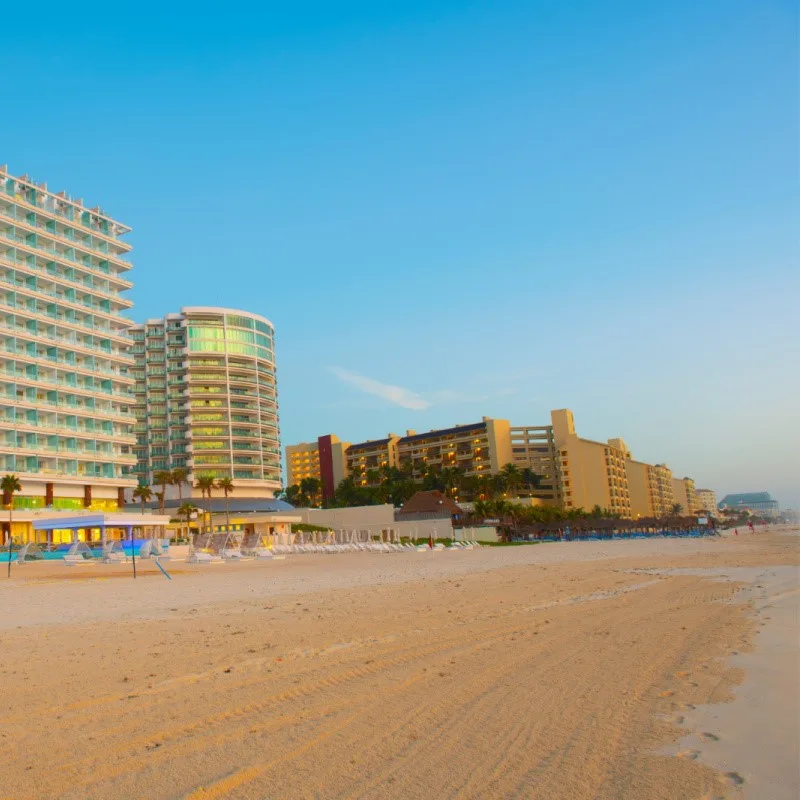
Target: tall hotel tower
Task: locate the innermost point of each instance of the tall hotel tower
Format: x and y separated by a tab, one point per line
65	382
206	399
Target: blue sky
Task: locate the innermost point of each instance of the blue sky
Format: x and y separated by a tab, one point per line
497	208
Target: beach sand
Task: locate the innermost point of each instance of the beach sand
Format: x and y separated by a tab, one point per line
563	670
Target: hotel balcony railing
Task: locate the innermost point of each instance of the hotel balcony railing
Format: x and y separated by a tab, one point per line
23	354
61	298
73	409
64	255
21	221
19	196
65	322
59	277
65	343
85	433
123	302
21	376
89	455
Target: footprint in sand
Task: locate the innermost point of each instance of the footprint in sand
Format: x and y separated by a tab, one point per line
666	693
691	754
709	737
735	778
681	674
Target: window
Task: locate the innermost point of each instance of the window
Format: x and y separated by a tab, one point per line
239	322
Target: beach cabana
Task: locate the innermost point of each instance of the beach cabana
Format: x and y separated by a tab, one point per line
100	527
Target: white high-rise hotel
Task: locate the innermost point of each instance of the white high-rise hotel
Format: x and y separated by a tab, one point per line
65	372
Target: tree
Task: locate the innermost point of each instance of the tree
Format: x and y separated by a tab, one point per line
162	478
205	483
309	488
186	510
10	485
292	495
512	476
143	493
451	480
179	476
530	480
676	509
226	484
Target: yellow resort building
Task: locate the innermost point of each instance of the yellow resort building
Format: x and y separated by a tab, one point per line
364	458
574	472
476	449
592	473
684	495
325	460
481	448
706	500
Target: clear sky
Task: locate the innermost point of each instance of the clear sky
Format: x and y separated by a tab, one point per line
456	209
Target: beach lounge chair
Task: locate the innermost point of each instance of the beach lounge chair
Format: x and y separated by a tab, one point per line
201	557
113	553
79	553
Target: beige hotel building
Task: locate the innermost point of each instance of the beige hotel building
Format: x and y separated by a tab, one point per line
575	472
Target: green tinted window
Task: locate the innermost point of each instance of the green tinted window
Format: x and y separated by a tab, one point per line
204	332
239	322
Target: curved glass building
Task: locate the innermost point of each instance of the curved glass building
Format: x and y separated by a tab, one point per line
206	399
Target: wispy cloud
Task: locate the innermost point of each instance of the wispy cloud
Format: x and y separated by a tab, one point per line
394	394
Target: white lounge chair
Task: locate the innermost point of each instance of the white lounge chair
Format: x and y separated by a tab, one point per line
201	557
79	553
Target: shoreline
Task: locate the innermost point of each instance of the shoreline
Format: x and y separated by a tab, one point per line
753	740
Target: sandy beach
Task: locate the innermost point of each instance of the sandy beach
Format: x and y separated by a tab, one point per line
640	669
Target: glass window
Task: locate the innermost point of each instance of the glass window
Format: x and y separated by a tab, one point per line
239	322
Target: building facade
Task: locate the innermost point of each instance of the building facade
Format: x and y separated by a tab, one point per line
366	459
481	448
760	503
65	385
324	460
206	399
707	500
533	448
591	473
574	472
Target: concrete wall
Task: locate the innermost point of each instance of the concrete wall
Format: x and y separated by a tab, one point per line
483	534
424	529
358	517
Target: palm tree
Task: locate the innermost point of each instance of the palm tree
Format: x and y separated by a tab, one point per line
162	478
10	485
676	509
512	476
309	487
373	476
179	476
226	484
205	483
530	480
451	478
187	509
144	494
